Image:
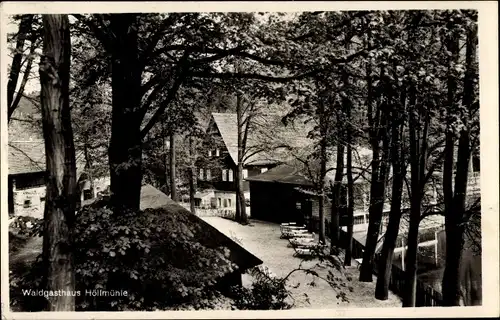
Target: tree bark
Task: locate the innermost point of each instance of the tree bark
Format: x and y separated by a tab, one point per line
392	232
241	215
350	202
25	27
125	148
377	198
454	219
337	203
60	161
173	187
322	171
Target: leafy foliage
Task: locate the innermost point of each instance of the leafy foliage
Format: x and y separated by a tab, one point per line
267	293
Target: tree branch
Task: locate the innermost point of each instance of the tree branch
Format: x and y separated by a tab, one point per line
181	73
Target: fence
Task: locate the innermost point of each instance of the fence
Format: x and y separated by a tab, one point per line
212	212
426	296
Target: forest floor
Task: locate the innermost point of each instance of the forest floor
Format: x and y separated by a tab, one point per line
263	240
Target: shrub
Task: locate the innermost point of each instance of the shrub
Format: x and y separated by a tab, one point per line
154	255
267	293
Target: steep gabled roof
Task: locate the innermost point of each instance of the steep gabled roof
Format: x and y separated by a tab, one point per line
268	138
29	157
296	172
26	156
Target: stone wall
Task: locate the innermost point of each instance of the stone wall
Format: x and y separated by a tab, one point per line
31	201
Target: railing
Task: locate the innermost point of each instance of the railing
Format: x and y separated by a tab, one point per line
426	296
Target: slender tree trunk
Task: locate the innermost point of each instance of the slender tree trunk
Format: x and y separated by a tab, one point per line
350	202
125	148
418	157
322	171
455	216
173	187
241	215
392	232
337	204
377	198
25	27
60	161
90	168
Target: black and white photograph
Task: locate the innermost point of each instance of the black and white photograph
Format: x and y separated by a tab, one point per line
271	159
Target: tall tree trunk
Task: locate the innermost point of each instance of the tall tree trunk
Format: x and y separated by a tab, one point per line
125	148
25	28
241	215
60	161
173	187
89	166
337	204
380	166
350	201
455	216
392	231
418	160
322	170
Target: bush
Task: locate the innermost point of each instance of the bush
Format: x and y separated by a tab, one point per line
267	293
156	256
153	255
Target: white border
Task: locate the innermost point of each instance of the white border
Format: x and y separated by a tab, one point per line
488	66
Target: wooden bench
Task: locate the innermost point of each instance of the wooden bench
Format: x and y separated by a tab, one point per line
298	241
287	234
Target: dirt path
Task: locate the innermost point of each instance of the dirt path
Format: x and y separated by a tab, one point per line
263	240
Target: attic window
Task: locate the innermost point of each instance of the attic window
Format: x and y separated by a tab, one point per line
224	174
263	170
230	176
27	203
217	152
209	153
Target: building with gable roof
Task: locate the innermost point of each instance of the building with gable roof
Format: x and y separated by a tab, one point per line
26	164
268	144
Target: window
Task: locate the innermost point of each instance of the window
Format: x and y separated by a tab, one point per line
224	174
229	202
225	203
220	202
217	152
230	175
245	173
263	170
42	199
298	205
209	153
27	203
201	174
209	174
